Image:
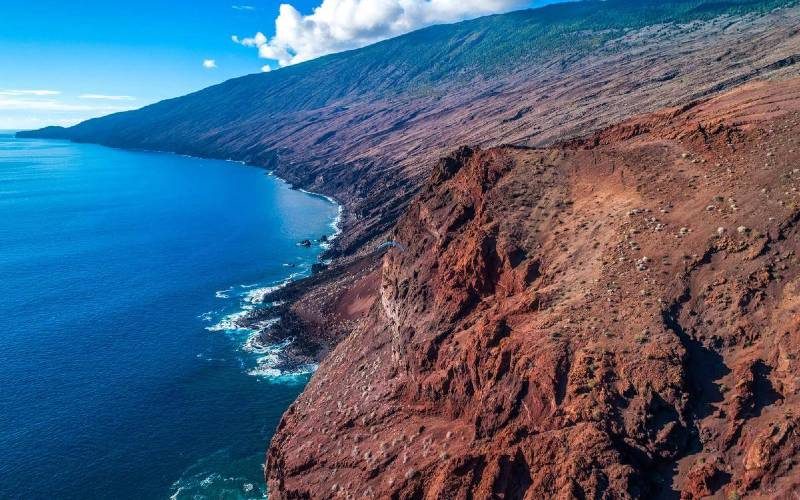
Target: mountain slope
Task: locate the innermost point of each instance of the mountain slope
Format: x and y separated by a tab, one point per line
381	151
519	342
614	317
360	125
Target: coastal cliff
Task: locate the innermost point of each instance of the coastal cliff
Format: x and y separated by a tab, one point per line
607	316
614	316
541	102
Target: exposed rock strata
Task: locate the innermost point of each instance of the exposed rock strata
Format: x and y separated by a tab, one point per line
612	317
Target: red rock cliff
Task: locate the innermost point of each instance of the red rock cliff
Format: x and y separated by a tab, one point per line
615	317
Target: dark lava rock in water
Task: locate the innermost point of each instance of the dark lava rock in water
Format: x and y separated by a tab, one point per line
305	243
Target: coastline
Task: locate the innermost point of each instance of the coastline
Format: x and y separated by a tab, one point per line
269	320
282	350
282	322
148	242
274	332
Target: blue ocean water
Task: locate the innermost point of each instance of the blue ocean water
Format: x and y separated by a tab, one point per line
118	269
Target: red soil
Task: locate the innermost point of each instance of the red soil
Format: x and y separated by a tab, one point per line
616	316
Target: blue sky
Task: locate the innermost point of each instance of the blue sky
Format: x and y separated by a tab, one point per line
89	58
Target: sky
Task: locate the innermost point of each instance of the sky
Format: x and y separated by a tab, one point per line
62	62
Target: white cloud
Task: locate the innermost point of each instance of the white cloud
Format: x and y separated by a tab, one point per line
40	105
23	104
257	41
266	68
243	7
338	25
15	92
104	97
209	63
24	109
27	122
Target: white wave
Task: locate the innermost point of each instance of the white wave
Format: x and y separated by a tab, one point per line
229	322
270	359
253	343
336	224
256	296
223	294
266	370
207	316
205	483
267	365
215	476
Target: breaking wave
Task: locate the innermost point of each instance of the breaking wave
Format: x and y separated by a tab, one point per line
264	359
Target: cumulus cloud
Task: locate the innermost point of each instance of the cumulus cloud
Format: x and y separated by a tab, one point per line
266	68
257	41
338	25
209	63
103	97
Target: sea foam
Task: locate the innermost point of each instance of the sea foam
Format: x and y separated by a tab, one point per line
257	295
229	322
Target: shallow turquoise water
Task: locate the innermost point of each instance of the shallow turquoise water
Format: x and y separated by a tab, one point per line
115	268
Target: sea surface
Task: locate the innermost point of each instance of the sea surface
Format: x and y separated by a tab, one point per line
119	374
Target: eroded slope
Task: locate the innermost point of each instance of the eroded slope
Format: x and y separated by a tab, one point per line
613	317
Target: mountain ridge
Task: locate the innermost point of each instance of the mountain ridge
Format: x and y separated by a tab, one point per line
569	18
383	140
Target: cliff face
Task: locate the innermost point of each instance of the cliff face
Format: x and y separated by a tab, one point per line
615	316
377	153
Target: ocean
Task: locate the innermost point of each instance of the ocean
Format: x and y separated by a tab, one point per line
120	375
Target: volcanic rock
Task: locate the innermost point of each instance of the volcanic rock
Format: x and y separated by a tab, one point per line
510	352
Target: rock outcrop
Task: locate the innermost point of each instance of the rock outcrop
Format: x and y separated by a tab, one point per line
612	317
